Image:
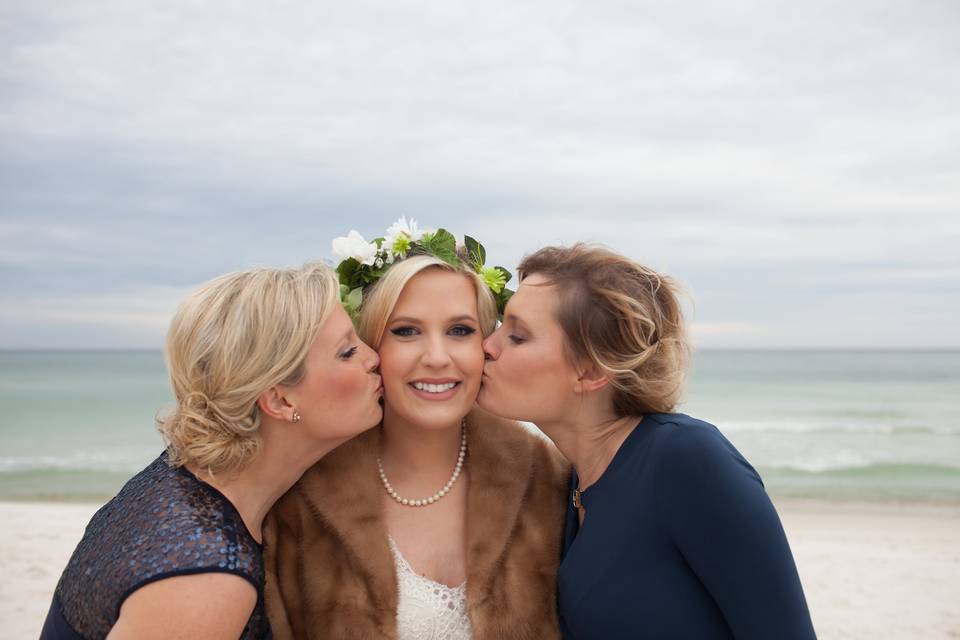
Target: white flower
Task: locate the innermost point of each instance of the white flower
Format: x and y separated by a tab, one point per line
409	228
400	236
354	246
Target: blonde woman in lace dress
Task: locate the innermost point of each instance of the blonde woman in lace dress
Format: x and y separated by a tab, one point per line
443	522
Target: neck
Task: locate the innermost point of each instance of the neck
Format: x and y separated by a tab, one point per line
282	459
416	457
590	443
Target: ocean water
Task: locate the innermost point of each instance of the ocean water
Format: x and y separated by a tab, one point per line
833	425
838	425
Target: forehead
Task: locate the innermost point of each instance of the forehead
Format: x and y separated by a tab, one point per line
536	291
437	292
336	328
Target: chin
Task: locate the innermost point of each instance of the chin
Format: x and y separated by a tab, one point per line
442	420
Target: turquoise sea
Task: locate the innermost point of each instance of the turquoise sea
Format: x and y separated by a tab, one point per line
834	425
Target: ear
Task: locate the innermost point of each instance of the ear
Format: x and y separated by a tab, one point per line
590	378
274	403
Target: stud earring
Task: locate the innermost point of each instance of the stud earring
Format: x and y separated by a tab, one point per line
296	417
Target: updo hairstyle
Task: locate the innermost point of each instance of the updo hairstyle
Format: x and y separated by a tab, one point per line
231	340
379	301
624	318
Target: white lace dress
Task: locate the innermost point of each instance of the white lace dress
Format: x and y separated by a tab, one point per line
428	610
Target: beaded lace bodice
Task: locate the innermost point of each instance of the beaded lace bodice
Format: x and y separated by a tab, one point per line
164	522
428	610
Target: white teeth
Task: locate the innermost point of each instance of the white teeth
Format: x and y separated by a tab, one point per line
434	388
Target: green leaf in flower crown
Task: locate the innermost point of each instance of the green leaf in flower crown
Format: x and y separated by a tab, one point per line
502	299
353	301
507	276
443	245
348	272
478	255
371	274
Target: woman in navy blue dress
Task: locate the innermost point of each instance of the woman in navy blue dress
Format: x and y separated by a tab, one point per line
268	376
670	533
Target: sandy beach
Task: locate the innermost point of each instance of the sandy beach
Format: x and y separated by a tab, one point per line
869	570
878	571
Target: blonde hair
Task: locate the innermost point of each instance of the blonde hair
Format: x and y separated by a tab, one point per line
379	302
232	339
624	318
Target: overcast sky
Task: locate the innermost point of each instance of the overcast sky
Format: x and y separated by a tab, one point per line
795	164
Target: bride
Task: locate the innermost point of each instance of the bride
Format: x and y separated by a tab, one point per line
444	521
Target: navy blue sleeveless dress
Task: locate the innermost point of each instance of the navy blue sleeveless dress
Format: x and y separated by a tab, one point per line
679	541
163	523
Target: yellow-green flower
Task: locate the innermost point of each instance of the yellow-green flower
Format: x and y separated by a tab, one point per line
400	236
400	245
494	278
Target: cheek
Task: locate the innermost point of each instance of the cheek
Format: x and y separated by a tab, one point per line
534	368
351	379
471	361
337	384
517	364
394	365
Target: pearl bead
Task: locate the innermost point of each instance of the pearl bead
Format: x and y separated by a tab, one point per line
422	502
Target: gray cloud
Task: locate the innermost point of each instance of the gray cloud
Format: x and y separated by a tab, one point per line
794	164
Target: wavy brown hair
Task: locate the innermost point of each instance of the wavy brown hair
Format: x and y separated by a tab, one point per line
621	316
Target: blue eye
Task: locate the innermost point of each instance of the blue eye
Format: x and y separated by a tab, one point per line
404	332
462	330
349	353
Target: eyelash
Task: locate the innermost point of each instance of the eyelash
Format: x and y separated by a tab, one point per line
349	353
515	339
458	331
463	330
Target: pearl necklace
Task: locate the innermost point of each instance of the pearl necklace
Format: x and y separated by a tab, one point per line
439	494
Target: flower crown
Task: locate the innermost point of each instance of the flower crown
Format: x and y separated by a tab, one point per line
362	263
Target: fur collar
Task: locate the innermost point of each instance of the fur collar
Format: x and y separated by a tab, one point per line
337	492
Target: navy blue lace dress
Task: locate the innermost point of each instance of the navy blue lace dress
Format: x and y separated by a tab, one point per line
163	523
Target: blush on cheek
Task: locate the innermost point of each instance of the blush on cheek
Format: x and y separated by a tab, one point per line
343	386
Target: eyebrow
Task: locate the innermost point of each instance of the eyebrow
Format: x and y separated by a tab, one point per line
460	318
515	319
346	336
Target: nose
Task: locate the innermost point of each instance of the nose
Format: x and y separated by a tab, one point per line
372	360
435	353
491	345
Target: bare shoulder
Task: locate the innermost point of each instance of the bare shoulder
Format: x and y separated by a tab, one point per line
204	605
